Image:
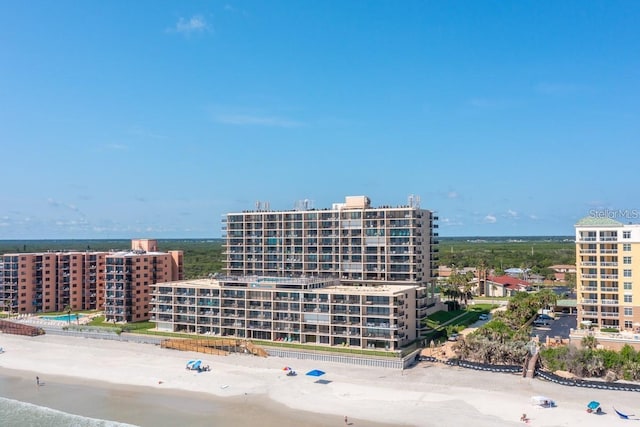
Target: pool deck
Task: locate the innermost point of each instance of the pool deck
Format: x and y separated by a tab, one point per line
38	320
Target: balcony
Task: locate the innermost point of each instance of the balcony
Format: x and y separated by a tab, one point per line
610	302
610	314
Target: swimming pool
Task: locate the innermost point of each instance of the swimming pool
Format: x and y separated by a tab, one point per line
64	317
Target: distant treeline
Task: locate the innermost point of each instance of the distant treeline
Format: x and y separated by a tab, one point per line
536	254
201	257
204	256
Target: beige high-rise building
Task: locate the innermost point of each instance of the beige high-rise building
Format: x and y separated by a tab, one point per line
352	275
353	242
608	273
129	275
297	310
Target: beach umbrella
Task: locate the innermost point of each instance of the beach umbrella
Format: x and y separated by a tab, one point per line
286	368
593	405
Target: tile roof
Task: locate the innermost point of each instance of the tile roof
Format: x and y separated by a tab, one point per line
594	221
510	281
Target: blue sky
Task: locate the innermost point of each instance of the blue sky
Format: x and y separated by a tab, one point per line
129	119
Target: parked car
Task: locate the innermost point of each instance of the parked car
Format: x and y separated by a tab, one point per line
541	322
483	316
453	337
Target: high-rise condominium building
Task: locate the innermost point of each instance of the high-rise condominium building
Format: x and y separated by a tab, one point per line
52	281
129	275
299	310
608	273
352	275
353	242
116	281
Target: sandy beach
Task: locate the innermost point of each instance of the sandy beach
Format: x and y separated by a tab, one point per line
259	390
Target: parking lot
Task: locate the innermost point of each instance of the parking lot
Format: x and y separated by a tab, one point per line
556	328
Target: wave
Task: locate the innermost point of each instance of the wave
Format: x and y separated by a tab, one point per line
15	413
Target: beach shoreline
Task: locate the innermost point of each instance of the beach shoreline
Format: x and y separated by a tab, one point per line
425	395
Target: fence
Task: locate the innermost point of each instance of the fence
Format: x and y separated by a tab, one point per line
395	363
125	337
602	385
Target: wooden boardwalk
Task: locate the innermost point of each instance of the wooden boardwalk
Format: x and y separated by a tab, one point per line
220	347
13	328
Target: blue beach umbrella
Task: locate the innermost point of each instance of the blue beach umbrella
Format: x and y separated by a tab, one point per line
593	405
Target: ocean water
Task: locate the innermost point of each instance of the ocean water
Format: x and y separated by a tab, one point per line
14	413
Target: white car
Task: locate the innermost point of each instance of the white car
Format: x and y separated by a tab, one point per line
483	316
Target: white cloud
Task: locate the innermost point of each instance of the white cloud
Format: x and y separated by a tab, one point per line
452	195
533	217
490	219
450	222
512	214
250	120
195	24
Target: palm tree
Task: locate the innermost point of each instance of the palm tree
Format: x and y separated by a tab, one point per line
546	298
67	309
460	282
589	342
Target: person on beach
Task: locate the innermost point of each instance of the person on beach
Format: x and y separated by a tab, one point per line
37	380
346	420
524	418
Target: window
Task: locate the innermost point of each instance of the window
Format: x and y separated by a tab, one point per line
626	234
628	311
628	298
626	260
626	247
628	324
627	273
628	286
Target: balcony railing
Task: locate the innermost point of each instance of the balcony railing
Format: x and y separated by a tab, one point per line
609	314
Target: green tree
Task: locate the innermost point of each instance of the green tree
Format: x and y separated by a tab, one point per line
589	342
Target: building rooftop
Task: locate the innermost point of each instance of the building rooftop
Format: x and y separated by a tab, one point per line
594	221
330	285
